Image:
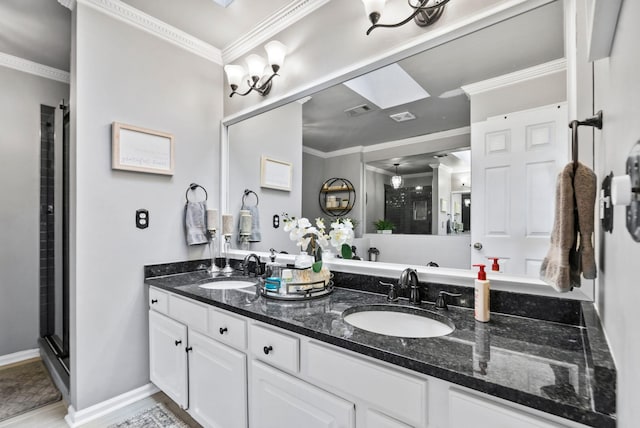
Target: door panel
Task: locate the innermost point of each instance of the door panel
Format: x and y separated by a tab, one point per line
516	159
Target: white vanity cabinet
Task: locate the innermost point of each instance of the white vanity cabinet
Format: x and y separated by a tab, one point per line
244	373
279	400
168	359
202	375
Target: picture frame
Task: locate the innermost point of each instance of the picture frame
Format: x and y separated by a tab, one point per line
275	174
138	149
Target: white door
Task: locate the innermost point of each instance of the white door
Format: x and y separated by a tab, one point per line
167	357
279	400
516	159
217	383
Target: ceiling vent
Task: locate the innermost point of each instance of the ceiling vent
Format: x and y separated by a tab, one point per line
402	117
358	110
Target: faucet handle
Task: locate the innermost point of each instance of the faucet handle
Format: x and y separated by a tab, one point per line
393	294
441	300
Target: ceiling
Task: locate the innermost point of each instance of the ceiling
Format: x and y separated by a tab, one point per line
36	30
40	30
520	42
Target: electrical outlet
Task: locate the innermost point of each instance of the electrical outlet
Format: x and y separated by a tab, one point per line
276	221
142	218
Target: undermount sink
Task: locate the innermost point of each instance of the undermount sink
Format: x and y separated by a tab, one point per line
398	321
227	284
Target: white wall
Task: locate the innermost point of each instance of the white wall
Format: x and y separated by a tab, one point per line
121	73
448	251
617	85
276	134
22	95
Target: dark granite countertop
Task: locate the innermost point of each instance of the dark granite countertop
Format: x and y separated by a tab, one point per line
561	369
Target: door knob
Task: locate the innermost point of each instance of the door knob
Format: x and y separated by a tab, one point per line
477	246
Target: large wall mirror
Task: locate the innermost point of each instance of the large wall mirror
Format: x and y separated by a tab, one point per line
415	119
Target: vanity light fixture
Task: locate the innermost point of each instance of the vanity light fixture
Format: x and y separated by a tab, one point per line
396	180
425	12
259	77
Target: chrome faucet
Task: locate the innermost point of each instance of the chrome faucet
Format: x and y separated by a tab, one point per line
245	264
409	278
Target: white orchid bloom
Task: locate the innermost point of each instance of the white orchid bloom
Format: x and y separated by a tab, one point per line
347	223
289	225
320	223
304	223
303	243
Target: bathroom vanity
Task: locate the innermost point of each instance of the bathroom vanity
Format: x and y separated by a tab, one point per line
233	358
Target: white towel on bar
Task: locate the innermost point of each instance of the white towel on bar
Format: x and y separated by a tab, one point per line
195	222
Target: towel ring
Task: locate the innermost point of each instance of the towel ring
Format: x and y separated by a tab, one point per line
246	193
194	187
594	121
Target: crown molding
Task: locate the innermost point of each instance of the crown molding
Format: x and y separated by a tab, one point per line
389	144
551	67
419	139
69	4
132	16
271	26
34	68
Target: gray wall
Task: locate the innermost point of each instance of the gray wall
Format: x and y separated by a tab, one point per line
312	179
276	134
124	74
617	86
22	95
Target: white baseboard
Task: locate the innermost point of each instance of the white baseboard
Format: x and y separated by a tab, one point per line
16	357
80	417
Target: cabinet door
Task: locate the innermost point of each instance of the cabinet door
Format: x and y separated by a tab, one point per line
279	400
167	357
217	383
466	410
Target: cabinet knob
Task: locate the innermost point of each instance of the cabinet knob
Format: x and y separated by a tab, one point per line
154	301
178	342
267	349
223	330
188	349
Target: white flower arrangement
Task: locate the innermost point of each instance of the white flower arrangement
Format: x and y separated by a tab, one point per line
309	237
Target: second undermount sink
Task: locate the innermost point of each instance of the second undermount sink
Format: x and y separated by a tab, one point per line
227	284
398	321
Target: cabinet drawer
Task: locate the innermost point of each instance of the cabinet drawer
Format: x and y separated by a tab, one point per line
401	396
275	348
378	420
466	410
189	312
158	300
228	328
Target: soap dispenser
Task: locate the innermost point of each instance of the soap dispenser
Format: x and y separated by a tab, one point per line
481	297
274	273
495	266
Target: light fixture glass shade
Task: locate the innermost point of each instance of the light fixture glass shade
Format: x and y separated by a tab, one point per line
373	6
276	52
396	181
255	64
235	73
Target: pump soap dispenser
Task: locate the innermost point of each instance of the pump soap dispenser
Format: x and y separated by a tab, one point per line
481	297
495	266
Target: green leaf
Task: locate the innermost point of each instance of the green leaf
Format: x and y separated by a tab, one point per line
346	251
317	266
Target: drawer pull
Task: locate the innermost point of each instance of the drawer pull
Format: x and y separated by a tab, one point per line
178	342
154	301
267	349
223	330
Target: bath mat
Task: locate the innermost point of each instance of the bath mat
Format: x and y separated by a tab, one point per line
25	387
157	416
